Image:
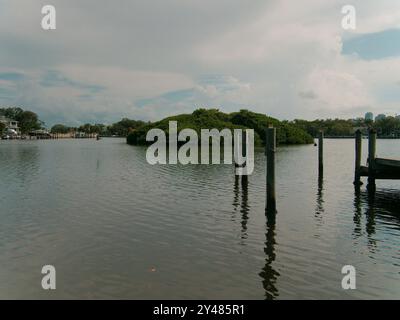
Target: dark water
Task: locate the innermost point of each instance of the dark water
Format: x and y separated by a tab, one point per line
116	227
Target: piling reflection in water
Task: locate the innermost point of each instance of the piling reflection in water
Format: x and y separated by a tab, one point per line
243	205
319	210
357	232
268	274
381	204
235	196
370	224
386	203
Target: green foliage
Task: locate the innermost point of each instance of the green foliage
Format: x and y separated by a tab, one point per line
287	133
11	113
28	121
60	128
123	127
333	128
98	128
2	127
388	126
85	128
213	118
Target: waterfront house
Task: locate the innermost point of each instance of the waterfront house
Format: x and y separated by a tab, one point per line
11	125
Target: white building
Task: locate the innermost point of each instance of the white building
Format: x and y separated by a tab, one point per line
11	125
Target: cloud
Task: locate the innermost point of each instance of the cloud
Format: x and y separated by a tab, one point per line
208	91
148	59
53	78
307	95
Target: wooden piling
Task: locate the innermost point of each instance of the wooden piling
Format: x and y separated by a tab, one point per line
357	176
244	153
371	158
244	144
243	149
321	153
270	151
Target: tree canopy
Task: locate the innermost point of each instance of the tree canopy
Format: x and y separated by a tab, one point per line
2	127
60	128
123	127
287	133
388	126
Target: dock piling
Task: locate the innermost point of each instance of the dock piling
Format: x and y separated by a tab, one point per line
357	176
244	143
321	153
244	154
243	149
371	159
270	151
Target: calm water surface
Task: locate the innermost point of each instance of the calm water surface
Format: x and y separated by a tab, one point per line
116	227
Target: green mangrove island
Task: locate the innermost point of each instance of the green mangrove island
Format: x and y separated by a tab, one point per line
287	133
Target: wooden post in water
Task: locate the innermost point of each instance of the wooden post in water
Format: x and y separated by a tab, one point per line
270	150
371	159
244	154
357	180
321	153
244	143
242	151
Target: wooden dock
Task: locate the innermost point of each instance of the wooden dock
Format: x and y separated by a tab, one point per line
377	168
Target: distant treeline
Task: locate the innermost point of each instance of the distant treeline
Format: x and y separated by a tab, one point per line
287	133
120	128
29	121
390	126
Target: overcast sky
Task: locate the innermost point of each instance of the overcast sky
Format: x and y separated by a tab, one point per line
148	59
